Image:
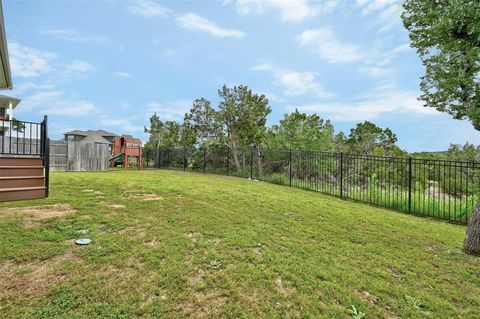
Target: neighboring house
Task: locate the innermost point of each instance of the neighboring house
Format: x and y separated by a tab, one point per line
7	104
98	137
127	150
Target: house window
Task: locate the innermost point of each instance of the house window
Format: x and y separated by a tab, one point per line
3	111
71	138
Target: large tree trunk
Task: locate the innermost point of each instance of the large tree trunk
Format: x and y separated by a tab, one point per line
471	244
234	150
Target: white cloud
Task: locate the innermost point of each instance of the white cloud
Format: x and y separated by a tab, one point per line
295	83
170	111
370	106
149	9
56	102
293	11
122	74
375	71
387	12
28	62
74	36
323	42
70	108
76	69
192	21
124	124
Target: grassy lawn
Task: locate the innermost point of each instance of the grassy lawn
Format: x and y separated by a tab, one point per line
172	245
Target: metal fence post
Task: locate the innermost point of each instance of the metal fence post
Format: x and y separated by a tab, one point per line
184	158
410	184
341	174
46	154
290	167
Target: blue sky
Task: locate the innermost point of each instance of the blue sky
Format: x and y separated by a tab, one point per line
111	64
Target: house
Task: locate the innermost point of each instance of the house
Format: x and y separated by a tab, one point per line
7	104
127	150
97	137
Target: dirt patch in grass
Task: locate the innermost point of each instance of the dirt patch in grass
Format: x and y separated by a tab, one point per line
280	286
144	197
94	191
194	236
116	206
33	278
149	197
32	215
203	305
154	243
198	278
366	296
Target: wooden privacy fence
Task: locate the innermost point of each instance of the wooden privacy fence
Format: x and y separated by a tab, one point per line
78	156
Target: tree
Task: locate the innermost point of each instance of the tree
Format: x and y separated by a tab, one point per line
240	120
203	120
301	131
163	134
18	126
368	139
243	118
446	34
466	153
339	143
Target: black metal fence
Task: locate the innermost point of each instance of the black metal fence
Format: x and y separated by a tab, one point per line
442	189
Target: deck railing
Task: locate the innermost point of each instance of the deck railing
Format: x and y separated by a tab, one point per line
23	138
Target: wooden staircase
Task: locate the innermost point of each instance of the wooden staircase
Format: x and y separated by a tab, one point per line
22	178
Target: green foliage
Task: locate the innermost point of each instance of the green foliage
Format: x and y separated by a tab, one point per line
446	35
18	126
416	304
243	115
203	120
356	314
215	264
240	120
300	131
466	153
368	139
169	134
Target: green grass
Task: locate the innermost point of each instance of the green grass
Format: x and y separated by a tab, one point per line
223	247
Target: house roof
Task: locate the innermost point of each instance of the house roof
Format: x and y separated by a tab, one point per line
4	100
98	136
131	139
5	73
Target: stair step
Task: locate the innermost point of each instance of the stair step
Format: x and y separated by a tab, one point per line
21	181
19	177
21	161
21	193
15	189
11	171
